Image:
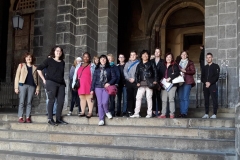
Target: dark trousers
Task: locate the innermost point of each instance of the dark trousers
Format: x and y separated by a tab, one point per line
156	100
112	104
75	100
212	90
201	65
55	90
95	103
131	96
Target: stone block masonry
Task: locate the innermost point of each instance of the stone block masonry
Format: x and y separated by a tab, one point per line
77	26
221	40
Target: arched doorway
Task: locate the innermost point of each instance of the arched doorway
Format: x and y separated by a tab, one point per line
184	31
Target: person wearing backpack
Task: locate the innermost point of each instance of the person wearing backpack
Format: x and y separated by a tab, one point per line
131	85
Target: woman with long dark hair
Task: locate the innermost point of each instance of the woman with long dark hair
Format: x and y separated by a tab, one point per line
103	77
26	83
188	70
55	84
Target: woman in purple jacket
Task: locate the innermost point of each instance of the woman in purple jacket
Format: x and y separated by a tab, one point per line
103	77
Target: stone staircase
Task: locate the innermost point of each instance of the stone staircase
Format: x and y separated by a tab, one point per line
120	138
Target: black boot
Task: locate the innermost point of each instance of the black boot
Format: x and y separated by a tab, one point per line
52	122
60	121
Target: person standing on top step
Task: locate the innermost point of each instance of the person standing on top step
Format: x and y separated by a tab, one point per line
117	73
122	91
26	84
55	83
75	97
169	71
131	85
84	74
188	70
146	76
209	78
55	103
103	77
157	103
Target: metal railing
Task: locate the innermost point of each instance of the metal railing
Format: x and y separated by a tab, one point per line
8	99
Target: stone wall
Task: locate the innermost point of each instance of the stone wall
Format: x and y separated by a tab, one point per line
221	40
107	27
237	117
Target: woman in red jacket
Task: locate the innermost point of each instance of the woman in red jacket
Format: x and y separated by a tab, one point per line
188	70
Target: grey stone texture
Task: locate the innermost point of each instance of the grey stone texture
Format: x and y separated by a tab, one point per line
107	27
221	40
75	25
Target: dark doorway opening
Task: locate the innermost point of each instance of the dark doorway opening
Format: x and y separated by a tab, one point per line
192	39
4	15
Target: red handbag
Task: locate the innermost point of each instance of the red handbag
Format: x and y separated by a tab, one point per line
112	90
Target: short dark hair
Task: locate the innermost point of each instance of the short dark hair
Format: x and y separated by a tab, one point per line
134	51
87	53
209	54
26	55
167	54
52	54
107	62
145	51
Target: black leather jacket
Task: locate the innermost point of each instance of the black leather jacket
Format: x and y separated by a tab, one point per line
146	71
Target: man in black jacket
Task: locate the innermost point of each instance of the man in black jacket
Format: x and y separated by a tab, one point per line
209	78
156	100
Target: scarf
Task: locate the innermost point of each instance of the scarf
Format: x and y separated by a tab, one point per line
183	63
111	63
103	74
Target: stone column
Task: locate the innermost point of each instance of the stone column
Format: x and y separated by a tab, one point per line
237	117
107	27
221	40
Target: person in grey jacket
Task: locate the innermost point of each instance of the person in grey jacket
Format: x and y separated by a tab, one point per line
129	74
75	97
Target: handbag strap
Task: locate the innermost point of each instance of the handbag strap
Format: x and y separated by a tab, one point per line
82	71
132	65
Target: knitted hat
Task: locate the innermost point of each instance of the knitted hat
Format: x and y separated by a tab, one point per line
79	59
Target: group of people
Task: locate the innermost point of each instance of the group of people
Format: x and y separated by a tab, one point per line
91	80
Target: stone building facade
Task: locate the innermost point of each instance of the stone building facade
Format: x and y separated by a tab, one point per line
114	26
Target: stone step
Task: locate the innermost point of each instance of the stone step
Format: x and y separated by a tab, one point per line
114	152
13	155
227	146
200	133
123	121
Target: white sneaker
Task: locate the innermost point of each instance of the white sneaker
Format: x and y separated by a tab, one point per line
148	116
205	116
109	115
69	113
135	116
213	116
101	123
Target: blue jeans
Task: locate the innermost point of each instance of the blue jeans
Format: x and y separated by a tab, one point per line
122	94
183	94
55	104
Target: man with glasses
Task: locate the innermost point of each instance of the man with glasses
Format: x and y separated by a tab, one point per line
122	91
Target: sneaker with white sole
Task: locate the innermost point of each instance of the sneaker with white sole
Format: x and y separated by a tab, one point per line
148	116
135	116
206	116
109	115
213	116
101	123
69	113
